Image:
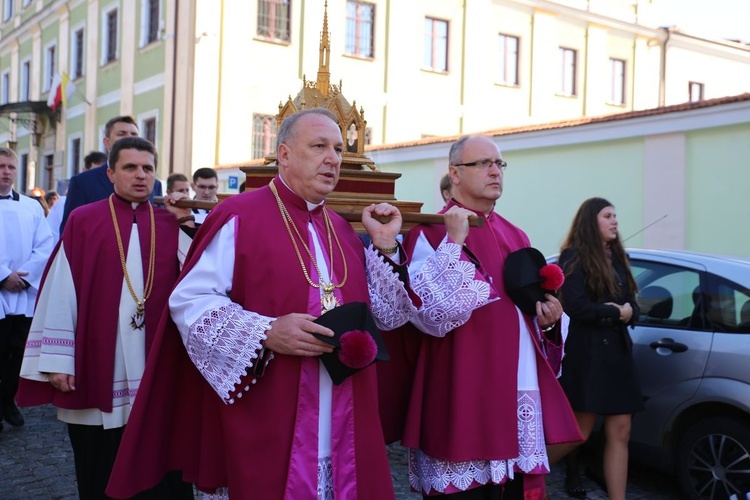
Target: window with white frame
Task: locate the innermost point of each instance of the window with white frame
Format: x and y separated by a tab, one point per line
360	20
264	135
77	47
435	44
695	91
8	9
109	35
74	156
567	72
25	89
617	81
5	91
274	19
50	66
150	21
508	64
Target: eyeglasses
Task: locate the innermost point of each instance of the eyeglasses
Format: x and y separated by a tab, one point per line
485	164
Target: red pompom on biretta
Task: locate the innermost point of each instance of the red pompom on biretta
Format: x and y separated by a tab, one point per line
356	337
358	349
528	278
552	277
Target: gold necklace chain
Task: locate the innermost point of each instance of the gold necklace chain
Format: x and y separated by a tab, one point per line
137	320
328	300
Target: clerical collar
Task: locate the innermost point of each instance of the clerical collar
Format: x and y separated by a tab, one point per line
310	206
134	204
12	195
479	213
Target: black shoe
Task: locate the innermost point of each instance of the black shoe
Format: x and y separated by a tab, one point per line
597	475
574	488
12	415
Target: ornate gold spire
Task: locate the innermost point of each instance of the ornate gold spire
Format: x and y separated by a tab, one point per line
324	73
323	94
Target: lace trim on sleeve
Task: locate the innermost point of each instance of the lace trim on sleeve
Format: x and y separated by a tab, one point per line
389	300
449	289
223	342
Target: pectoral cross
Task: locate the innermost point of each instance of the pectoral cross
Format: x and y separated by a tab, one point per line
329	300
137	320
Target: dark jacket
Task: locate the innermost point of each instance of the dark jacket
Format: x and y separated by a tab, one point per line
588	312
598	373
90	186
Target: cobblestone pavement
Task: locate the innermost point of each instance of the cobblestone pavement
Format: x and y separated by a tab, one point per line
36	462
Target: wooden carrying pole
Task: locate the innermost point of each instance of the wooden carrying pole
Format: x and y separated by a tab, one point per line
411	218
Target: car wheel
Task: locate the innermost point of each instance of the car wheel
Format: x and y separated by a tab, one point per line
713	459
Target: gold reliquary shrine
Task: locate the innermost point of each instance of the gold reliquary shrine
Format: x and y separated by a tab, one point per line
360	182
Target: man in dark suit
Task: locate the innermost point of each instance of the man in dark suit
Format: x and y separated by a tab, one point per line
94	185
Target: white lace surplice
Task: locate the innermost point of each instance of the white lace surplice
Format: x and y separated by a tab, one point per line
222	339
51	344
450	290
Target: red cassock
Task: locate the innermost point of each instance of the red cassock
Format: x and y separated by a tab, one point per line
91	249
180	423
458	396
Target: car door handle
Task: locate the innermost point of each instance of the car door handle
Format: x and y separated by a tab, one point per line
669	344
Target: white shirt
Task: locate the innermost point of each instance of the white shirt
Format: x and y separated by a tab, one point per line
25	245
54	217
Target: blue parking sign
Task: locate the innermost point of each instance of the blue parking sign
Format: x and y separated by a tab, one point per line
233	182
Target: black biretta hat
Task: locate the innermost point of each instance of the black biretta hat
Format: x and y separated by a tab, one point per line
528	278
357	340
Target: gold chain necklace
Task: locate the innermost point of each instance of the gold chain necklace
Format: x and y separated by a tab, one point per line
137	320
328	300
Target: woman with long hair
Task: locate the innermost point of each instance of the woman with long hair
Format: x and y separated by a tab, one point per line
598	374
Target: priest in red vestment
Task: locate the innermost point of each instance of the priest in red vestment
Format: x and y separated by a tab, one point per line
235	393
484	400
104	289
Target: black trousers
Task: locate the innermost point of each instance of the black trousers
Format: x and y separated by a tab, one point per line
509	490
95	449
14	329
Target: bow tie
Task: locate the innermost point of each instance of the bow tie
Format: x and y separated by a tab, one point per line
6	197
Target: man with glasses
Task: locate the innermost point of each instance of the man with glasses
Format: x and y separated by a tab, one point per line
484	401
205	184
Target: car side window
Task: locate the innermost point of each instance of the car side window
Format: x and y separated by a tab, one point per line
669	296
730	306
